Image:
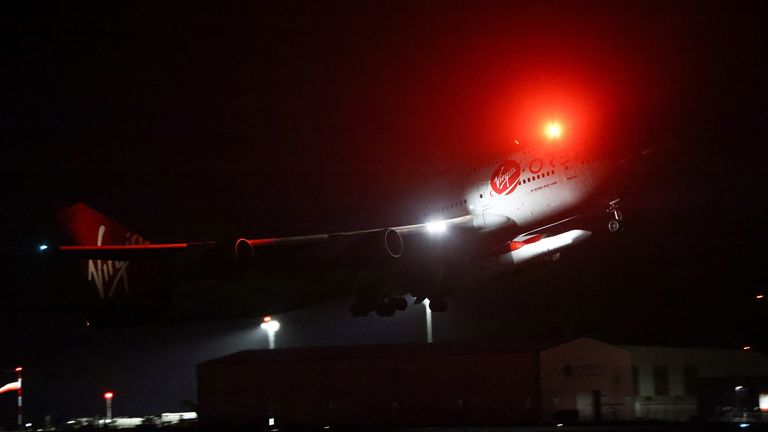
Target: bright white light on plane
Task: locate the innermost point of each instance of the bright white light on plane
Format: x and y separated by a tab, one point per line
436	227
553	130
42	247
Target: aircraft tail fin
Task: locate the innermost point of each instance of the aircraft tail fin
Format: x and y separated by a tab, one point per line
108	252
85	226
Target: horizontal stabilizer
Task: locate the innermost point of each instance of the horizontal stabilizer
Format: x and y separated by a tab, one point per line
129	252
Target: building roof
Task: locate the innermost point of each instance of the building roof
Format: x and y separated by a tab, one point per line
385	351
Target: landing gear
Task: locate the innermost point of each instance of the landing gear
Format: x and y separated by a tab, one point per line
615	223
438	304
384	308
399	303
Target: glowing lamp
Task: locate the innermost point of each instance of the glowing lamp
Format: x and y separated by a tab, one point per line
270	325
42	247
109	395
19	369
747	348
759	296
553	130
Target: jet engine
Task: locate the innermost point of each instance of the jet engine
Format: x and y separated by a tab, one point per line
375	246
537	247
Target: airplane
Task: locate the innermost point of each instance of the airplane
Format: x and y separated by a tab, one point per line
525	207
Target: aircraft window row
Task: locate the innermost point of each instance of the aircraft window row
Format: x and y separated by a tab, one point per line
538	176
454	205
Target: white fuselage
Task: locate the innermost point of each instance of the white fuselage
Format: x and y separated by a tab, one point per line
526	188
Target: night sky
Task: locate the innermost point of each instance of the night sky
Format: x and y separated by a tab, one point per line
262	119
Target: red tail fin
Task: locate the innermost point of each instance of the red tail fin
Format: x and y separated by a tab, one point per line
85	226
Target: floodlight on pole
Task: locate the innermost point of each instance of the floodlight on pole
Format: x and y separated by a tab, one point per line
108	396
271	326
429	320
20	413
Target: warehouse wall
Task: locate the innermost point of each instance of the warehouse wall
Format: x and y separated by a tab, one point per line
575	374
395	385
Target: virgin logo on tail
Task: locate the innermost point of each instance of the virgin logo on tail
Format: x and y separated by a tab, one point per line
505	178
107	273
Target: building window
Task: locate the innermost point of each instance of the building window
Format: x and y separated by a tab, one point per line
660	381
690	377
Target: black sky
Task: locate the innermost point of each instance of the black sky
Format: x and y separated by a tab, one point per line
190	122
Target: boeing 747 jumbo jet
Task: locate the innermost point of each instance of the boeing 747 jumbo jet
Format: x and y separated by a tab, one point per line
526	207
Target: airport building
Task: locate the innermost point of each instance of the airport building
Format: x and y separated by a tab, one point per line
583	380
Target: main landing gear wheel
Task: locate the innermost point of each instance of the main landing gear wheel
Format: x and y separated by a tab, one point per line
385	309
438	304
399	303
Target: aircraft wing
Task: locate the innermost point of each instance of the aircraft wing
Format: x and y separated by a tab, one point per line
389	238
97	237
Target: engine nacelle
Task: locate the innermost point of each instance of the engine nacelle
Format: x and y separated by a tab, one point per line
541	247
244	250
378	245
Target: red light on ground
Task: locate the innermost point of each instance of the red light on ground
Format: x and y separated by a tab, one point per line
553	130
19	369
109	395
267	318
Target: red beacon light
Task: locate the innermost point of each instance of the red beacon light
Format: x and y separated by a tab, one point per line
109	395
553	130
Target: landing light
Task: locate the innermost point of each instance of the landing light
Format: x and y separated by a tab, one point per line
436	227
553	130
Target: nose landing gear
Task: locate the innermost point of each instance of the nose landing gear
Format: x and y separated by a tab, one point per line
615	223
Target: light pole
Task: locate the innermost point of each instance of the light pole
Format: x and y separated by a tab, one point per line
20	418
108	399
271	326
429	320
